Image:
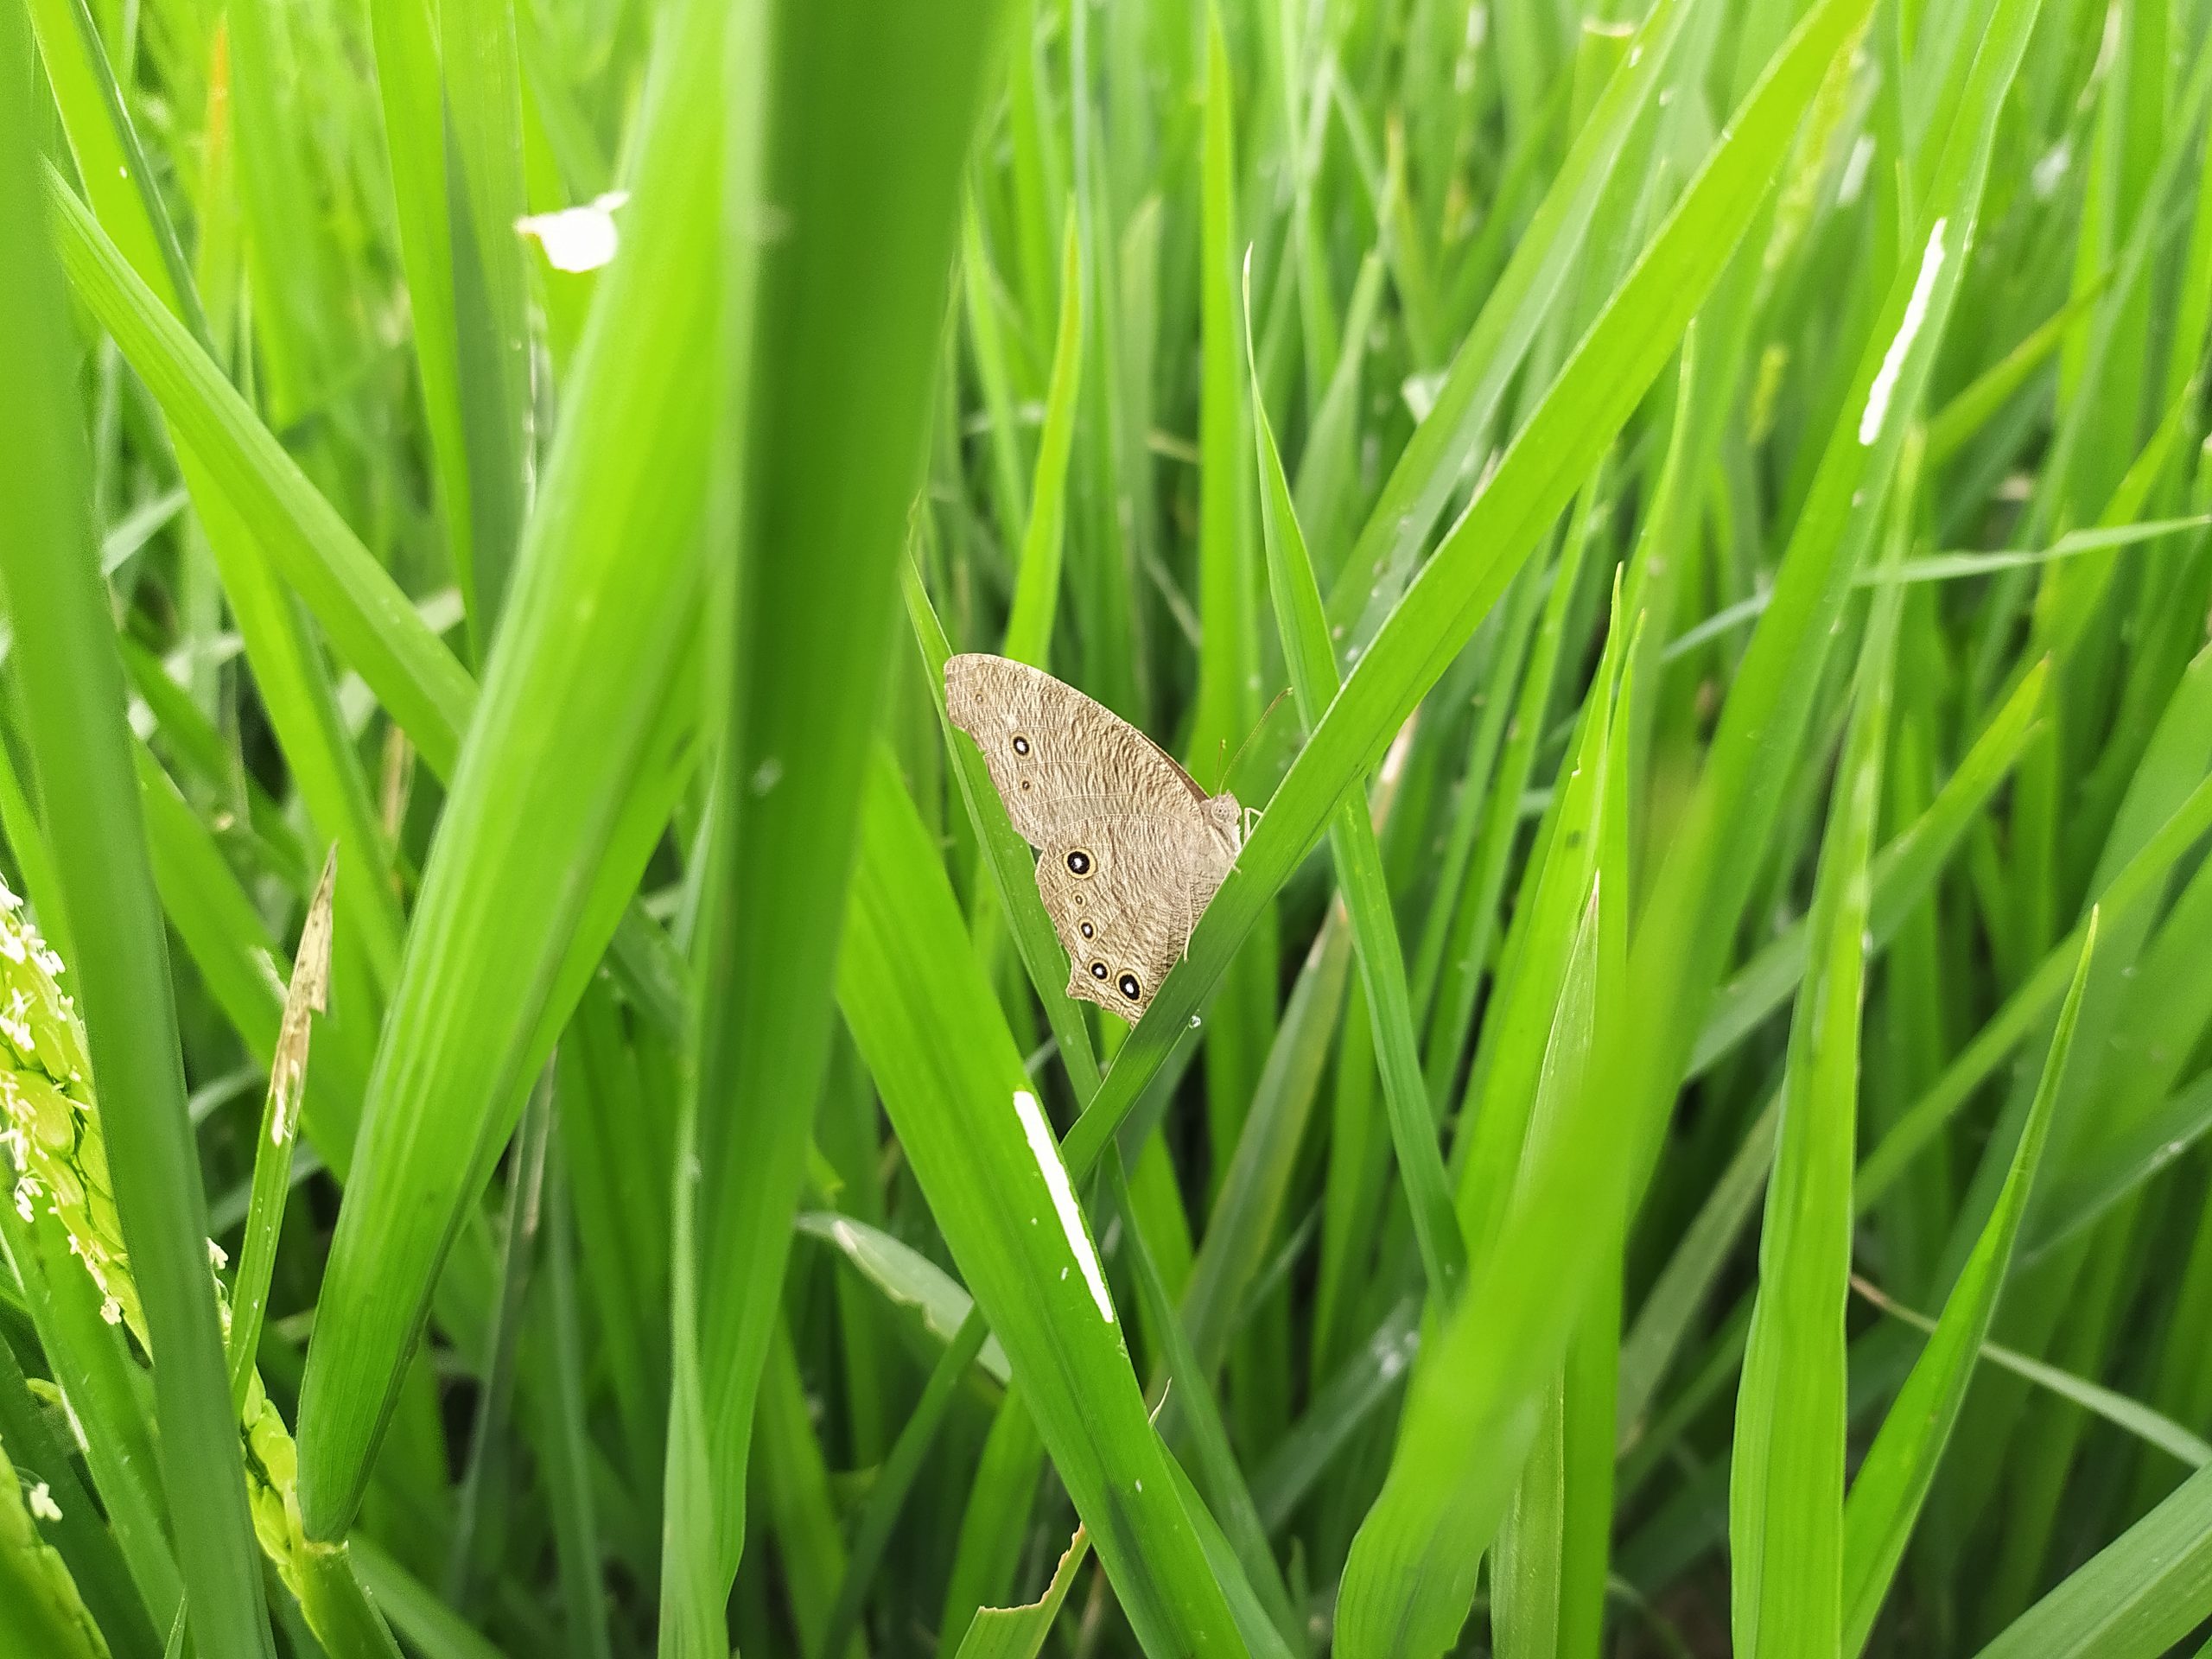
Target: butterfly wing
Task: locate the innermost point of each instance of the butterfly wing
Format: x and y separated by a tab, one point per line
1058	758
1123	895
1131	848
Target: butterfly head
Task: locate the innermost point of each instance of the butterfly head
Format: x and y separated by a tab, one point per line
1227	818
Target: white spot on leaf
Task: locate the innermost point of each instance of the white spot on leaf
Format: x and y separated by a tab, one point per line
1915	314
1047	1153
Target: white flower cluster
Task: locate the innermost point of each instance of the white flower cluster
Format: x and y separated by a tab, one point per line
48	1125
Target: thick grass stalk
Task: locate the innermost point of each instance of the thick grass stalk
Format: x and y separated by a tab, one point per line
865	128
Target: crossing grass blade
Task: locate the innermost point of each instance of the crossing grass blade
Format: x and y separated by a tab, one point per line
906	1277
456	1052
1037	579
943	1058
2143	1593
1893	1479
1304	630
1483	1389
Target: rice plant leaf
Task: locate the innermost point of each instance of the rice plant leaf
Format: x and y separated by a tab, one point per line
1037	579
307	994
369	619
2152	1428
2135	880
1786	1479
1020	1633
1247	1210
941	1053
1304	630
1439	453
1675	1297
1894	1477
851	131
1945	566
1479	1394
1554	947
483	152
1335	1414
42	1610
1903	873
1974	405
499	913
295	686
403	35
416	1610
73	701
2090	1188
2140	1595
80	1534
906	1277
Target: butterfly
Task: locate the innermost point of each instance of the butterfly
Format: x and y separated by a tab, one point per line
1130	849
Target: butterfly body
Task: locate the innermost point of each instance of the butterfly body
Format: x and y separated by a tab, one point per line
1130	849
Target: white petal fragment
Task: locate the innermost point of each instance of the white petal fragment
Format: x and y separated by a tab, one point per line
577	238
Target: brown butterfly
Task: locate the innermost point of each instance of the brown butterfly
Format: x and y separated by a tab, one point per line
1131	848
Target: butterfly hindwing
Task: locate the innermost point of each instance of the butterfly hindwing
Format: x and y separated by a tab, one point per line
1124	925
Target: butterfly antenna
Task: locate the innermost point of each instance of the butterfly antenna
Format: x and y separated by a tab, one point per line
1258	725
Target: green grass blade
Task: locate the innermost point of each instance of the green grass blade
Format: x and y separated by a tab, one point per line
403	35
2141	1594
2136	880
306	993
494	920
1904	871
1893	1479
415	1610
2152	1428
1037	579
1020	1633
1303	629
1786	1485
938	1050
370	621
867	127
74	707
1467	401
2095	1184
485	197
80	1535
1673	1301
907	1278
41	1609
